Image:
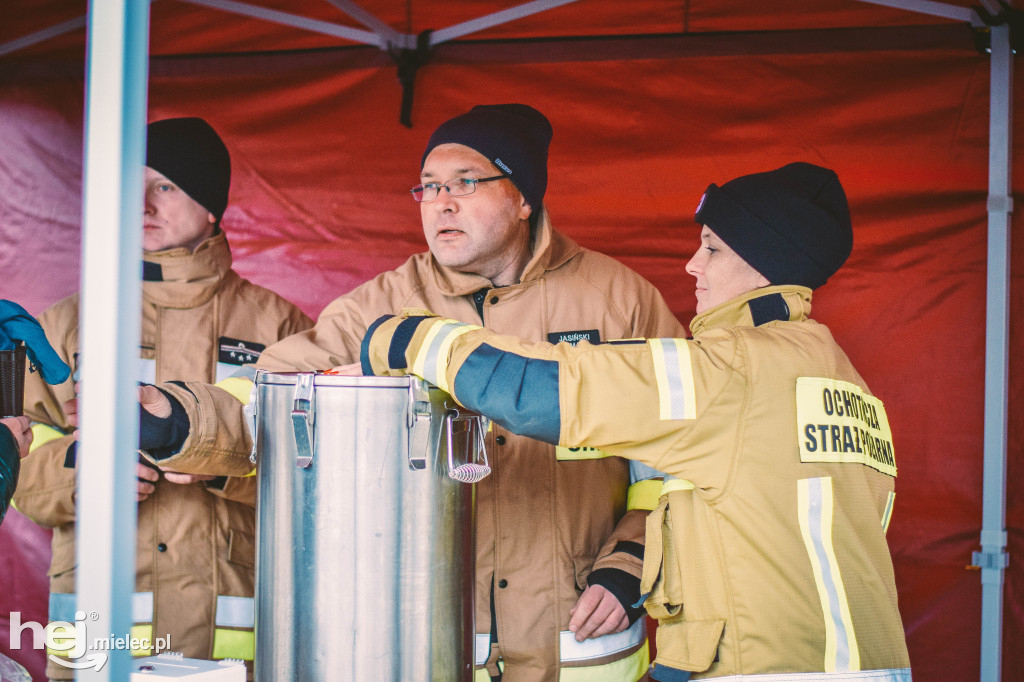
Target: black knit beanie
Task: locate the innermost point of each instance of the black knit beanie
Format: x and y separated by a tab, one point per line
791	224
190	153
514	137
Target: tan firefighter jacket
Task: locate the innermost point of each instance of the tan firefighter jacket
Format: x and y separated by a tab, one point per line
543	523
767	558
195	543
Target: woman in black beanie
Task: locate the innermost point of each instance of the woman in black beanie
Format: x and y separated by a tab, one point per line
766	558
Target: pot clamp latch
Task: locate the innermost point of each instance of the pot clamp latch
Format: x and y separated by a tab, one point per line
303	419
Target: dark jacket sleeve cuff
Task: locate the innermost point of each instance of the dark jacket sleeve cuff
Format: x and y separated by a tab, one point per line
624	586
162	437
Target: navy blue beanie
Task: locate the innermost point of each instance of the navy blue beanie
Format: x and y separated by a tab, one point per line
514	137
791	224
190	153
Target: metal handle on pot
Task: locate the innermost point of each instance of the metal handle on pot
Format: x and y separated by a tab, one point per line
252	411
303	419
472	471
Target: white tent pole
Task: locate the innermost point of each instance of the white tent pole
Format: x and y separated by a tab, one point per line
115	119
992	559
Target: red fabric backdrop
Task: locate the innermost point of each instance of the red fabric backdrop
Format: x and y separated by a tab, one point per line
319	205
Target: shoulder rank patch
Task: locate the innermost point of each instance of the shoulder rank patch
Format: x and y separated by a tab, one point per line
837	421
572	338
237	352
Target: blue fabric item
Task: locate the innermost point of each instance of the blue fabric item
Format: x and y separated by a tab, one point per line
17	325
520	394
661	673
62	607
364	349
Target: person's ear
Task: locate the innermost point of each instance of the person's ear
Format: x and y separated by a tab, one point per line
212	219
525	210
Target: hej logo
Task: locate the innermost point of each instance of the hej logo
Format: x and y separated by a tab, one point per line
67	642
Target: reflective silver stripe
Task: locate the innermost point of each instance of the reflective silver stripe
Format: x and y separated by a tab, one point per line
887	514
235	612
483	649
816	505
889	675
225	370
674	375
62	607
147	371
244	372
142	607
432	360
571	650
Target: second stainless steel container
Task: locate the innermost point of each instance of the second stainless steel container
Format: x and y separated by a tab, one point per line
365	529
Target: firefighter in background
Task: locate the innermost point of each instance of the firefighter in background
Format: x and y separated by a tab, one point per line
766	557
20	337
200	322
559	545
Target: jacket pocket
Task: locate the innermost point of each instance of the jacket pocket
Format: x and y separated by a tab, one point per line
241	549
661	580
690	626
689	645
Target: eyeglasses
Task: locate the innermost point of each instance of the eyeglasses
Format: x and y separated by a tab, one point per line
457	187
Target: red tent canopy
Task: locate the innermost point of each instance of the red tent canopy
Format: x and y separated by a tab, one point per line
650	101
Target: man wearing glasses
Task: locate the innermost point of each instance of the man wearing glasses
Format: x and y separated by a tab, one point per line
559	545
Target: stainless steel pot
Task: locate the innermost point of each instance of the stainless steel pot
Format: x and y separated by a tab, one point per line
365	529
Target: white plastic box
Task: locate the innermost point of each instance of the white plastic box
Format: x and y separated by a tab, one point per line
174	666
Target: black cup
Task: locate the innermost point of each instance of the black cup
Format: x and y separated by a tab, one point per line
12	382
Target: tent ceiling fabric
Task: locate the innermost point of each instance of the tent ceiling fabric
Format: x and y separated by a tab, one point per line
650	100
179	27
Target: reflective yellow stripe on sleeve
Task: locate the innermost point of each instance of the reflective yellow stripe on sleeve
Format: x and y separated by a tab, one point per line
43	434
816	504
673	484
432	360
644	494
239	387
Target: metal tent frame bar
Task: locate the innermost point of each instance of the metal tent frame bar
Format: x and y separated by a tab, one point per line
115	128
